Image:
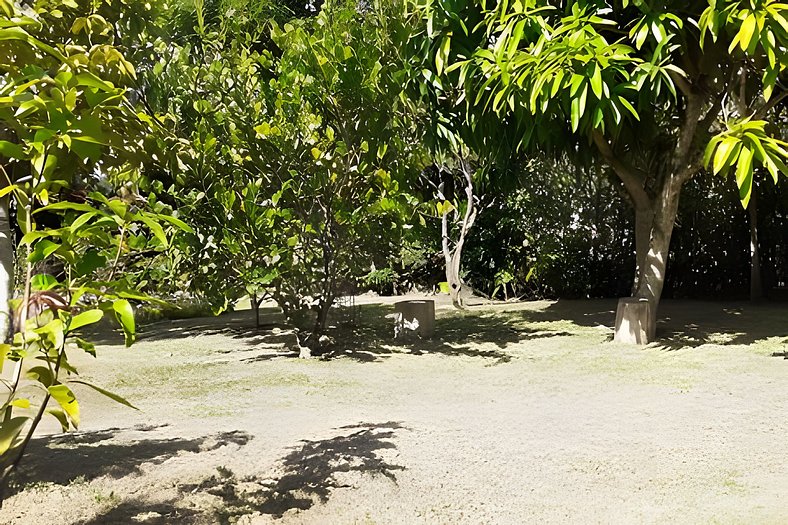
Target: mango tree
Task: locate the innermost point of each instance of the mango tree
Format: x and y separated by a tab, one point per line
468	147
658	91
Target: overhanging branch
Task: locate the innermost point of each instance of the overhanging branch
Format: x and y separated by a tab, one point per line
761	112
632	179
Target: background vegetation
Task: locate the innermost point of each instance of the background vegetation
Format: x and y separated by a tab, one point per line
209	150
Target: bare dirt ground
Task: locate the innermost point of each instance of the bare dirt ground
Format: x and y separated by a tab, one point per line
516	413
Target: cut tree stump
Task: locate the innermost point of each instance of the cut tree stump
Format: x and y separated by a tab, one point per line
414	316
634	322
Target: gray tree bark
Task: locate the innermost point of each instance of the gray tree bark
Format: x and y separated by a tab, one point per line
644	220
652	275
756	283
6	267
453	254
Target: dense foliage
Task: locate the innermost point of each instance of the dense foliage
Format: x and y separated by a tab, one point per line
288	156
305	151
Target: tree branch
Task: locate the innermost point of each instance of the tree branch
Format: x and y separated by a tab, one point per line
692	117
684	85
761	112
632	179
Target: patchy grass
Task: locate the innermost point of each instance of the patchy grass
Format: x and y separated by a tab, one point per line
511	412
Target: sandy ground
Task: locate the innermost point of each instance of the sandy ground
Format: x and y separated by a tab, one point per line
517	413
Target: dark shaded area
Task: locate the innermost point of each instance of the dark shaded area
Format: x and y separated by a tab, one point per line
155	514
564	231
567	232
309	473
710	246
691	324
682	323
456	335
239	325
589	312
87	455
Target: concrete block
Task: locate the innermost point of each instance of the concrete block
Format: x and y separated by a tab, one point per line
414	316
634	322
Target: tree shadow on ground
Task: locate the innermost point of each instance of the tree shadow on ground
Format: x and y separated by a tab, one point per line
238	325
582	313
459	334
680	323
64	458
309	473
690	324
138	511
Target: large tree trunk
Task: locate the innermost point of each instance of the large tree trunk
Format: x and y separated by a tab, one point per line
644	221
756	284
637	317
6	267
653	274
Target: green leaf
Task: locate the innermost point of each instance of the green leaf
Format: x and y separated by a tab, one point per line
124	313
60	416
67	401
91	260
444	207
41	374
52	332
118	207
746	31
176	222
80	221
86	318
596	82
744	175
575	116
8	189
67	206
43	282
624	102
21	403
723	153
91	80
156	229
11	150
9	431
42	249
114	397
87	346
442	55
5	349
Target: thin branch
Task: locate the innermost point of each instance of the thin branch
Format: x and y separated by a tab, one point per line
117	255
761	112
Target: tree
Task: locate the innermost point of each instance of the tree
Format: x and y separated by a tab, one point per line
292	155
657	90
62	121
42	130
469	149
